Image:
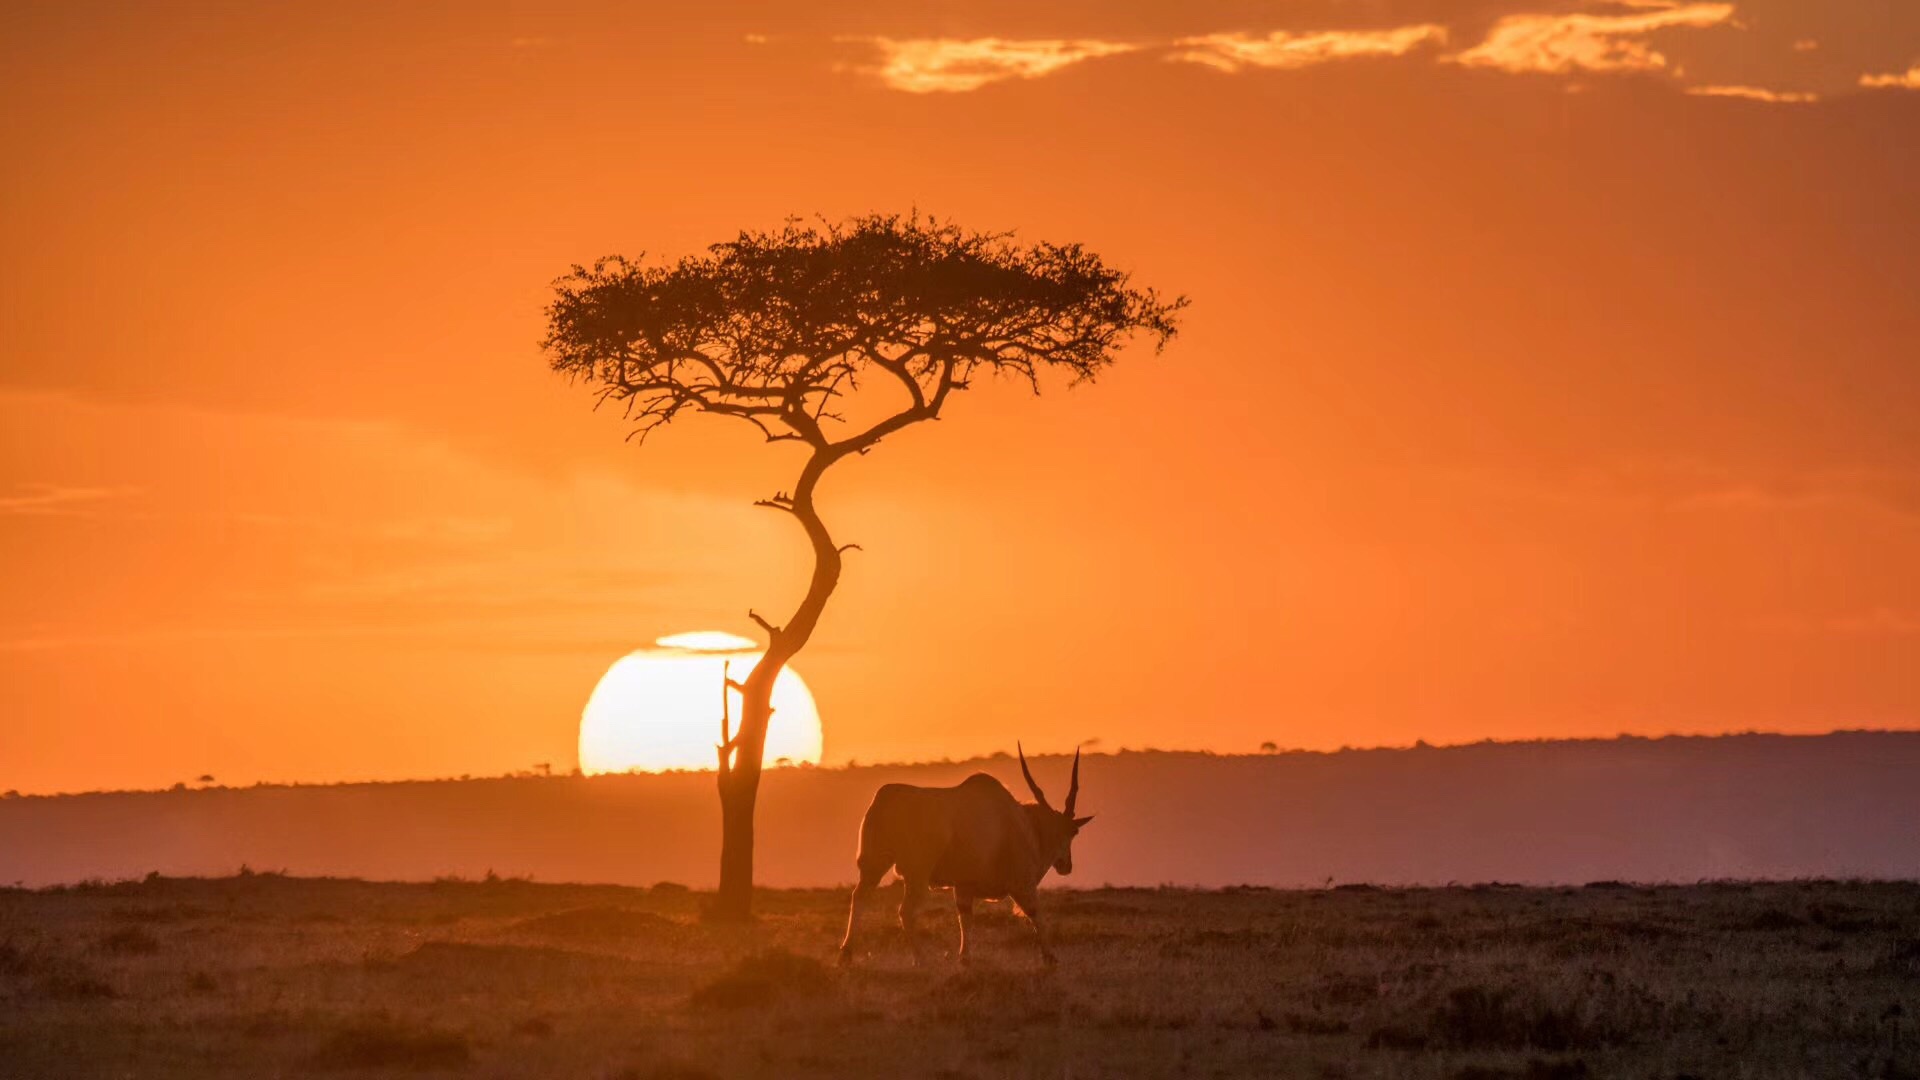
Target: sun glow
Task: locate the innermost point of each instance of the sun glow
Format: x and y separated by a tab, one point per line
659	708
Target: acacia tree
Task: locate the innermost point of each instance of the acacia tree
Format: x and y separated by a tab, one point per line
796	329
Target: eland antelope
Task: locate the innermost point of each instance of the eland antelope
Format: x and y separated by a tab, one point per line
973	838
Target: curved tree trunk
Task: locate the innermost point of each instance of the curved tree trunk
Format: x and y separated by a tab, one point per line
739	776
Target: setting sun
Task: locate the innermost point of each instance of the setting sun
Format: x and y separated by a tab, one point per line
659	708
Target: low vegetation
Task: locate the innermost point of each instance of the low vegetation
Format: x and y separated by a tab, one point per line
270	975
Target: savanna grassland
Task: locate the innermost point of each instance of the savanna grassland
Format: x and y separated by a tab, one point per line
263	975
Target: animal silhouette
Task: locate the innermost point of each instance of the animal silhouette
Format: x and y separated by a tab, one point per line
974	838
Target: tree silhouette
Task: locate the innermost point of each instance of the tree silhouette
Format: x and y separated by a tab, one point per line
783	328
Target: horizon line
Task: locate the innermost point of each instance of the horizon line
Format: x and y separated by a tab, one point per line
852	765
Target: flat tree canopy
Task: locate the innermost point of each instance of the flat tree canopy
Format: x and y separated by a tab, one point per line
777	326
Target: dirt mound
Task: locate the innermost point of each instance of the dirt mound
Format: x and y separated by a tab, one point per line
764	978
599	925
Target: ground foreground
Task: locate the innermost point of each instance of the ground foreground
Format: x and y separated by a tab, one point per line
262	975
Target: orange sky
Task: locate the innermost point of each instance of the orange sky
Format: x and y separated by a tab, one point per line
1550	371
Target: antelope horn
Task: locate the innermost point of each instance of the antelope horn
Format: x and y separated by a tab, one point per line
1039	795
1073	787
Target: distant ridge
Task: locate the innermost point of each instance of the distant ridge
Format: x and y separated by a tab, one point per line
1676	808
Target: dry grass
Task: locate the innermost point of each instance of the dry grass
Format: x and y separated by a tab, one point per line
265	975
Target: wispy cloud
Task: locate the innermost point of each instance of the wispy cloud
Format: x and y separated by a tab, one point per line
56	498
1286	50
1585	42
1906	80
1614	37
956	65
1755	93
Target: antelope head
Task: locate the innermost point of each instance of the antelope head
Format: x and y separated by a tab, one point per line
1056	828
